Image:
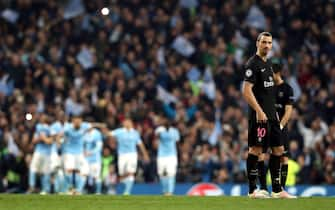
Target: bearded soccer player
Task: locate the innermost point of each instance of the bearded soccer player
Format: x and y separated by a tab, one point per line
264	127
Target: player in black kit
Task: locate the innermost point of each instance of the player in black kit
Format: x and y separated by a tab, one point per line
284	106
264	129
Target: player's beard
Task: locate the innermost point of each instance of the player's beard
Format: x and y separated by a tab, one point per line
264	52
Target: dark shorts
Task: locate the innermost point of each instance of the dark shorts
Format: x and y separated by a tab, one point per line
264	134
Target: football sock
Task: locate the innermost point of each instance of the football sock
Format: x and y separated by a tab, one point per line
32	179
59	182
128	182
80	182
274	165
46	183
252	171
171	183
262	175
98	186
164	182
68	181
283	177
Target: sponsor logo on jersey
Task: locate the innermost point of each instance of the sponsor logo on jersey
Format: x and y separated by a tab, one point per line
269	83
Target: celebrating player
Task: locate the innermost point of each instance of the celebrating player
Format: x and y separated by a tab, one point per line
73	152
167	155
127	139
40	163
93	142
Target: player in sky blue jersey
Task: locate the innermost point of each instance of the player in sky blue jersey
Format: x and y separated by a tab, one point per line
56	128
128	139
73	152
40	163
93	142
167	136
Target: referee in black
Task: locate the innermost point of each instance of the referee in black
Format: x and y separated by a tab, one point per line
264	128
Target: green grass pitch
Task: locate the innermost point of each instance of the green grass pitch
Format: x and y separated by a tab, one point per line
102	202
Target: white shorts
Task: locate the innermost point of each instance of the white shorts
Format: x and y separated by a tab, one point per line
167	166
84	167
73	162
40	163
55	161
127	163
94	170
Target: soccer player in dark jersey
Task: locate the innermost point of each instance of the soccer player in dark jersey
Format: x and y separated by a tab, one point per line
264	128
284	106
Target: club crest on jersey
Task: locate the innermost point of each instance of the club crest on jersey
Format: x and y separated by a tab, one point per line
248	72
280	94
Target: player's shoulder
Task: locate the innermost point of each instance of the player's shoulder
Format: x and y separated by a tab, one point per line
174	129
253	61
160	129
67	126
289	92
287	86
136	132
56	125
96	131
85	125
118	130
38	126
42	126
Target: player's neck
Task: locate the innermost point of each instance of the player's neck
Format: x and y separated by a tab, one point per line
263	57
280	81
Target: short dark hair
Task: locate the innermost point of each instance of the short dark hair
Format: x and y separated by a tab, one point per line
264	33
72	116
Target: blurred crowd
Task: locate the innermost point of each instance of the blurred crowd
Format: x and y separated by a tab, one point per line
181	58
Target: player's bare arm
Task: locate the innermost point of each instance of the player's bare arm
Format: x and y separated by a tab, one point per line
144	152
287	116
249	96
46	139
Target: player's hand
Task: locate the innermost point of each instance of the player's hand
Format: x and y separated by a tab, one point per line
261	117
36	140
146	159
